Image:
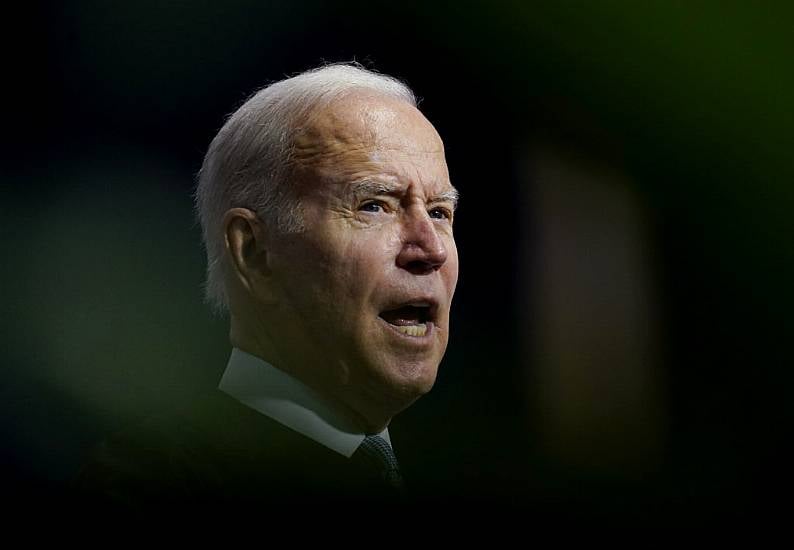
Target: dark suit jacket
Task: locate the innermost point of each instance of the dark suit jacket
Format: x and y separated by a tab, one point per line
220	454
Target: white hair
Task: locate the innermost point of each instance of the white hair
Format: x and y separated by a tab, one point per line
247	163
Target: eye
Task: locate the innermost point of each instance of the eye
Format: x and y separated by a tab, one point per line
373	207
440	213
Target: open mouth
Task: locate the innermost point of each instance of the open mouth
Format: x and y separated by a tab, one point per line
410	319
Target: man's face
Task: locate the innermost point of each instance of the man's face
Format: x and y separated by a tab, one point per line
366	288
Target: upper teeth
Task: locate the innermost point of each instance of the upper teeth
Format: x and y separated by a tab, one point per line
413	330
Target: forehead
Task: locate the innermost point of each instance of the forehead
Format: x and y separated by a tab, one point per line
365	135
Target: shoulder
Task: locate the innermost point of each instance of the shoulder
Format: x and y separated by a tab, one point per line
214	449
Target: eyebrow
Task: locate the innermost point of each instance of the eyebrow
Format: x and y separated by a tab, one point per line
447	196
369	187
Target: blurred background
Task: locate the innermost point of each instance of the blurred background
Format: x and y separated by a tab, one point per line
621	327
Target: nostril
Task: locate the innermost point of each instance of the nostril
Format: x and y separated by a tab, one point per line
422	257
420	267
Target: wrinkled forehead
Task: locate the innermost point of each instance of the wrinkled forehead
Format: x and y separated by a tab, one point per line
363	127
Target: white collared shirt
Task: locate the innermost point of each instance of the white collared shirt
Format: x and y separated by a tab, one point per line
274	393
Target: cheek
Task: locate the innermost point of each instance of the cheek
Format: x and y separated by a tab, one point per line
344	266
372	250
451	267
352	268
307	270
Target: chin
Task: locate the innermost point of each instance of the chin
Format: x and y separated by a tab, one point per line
393	388
413	381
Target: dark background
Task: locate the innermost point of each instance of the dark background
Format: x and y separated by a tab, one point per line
619	346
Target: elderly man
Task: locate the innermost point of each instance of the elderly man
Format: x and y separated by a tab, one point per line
326	210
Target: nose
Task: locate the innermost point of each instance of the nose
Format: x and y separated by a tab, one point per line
423	250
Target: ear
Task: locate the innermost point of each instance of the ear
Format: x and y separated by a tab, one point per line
247	251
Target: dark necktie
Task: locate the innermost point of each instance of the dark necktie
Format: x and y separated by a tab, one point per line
376	454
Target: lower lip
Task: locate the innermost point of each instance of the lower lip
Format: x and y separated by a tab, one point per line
418	340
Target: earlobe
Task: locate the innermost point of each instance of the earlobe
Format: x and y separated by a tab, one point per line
247	253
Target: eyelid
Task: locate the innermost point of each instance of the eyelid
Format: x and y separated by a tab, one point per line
448	207
448	212
380	202
390	204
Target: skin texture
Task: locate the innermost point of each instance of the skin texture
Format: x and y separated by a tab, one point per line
378	206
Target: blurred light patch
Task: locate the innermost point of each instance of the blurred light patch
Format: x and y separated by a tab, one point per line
590	320
108	312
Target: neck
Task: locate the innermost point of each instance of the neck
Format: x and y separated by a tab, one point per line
368	415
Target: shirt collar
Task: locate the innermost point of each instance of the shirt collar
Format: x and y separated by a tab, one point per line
274	393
